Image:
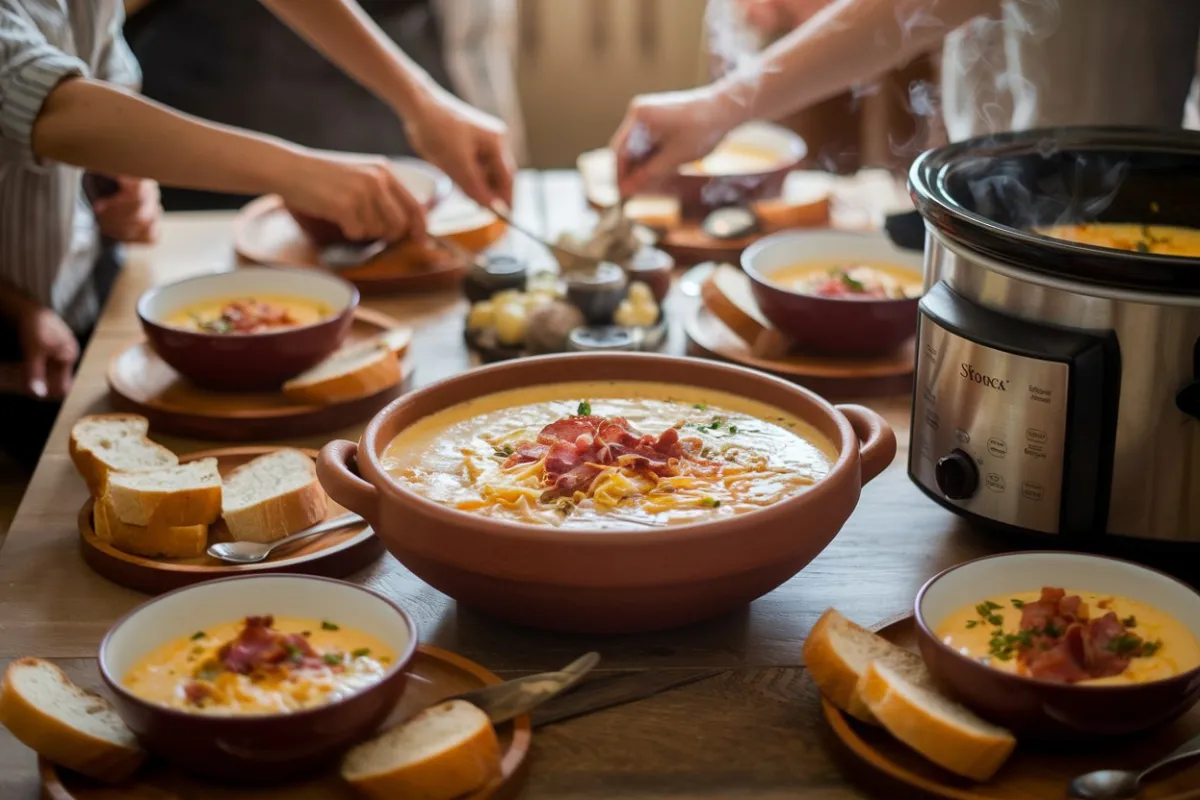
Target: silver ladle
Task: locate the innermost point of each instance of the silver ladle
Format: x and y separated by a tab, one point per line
1119	784
254	552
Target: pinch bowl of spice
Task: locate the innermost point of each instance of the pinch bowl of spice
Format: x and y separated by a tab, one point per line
1062	647
258	678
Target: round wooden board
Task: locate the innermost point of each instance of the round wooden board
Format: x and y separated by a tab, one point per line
265	233
333	555
833	375
1030	773
141	382
435	675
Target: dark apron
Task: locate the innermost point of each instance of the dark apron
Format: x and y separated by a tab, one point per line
232	61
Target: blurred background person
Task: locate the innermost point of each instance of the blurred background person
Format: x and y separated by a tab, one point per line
233	61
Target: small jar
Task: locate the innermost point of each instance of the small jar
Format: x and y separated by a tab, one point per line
604	339
597	291
494	273
654	268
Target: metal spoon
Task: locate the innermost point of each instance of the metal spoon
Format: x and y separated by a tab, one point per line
1118	784
347	255
253	552
502	211
510	699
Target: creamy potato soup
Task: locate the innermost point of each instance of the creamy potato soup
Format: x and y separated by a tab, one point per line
849	281
1161	239
734	158
248	314
261	665
609	455
1069	636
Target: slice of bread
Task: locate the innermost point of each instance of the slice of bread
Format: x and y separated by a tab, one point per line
444	752
359	370
66	724
727	294
103	443
273	496
187	494
943	731
836	655
180	541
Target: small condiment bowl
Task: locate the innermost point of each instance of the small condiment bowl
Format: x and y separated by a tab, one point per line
1058	713
701	193
247	361
654	268
266	747
829	324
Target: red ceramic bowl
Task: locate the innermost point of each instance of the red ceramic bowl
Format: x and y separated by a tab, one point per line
607	581
701	192
266	747
1055	712
832	325
426	183
251	361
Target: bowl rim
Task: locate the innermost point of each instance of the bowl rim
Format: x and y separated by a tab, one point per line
148	296
797	150
385	483
399	665
927	632
443	185
759	278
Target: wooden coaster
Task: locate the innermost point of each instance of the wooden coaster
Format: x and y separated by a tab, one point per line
141	382
841	376
333	555
435	674
1029	773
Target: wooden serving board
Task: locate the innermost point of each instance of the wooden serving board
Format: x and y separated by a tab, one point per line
1030	773
332	555
141	382
435	674
265	233
834	376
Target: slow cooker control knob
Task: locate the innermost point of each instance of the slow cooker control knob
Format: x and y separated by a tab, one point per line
956	475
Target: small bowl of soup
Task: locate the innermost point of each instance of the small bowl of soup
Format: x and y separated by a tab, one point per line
249	329
1063	646
836	292
749	164
258	678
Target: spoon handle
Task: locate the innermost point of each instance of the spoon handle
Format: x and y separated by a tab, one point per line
1188	750
340	521
502	211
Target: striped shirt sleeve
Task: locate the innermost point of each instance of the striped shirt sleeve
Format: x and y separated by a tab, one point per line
117	64
30	67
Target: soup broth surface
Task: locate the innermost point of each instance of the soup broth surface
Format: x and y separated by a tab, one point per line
1159	239
734	158
849	281
248	314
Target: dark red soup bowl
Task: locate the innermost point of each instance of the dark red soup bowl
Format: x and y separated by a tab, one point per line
1051	712
246	748
247	361
834	325
616	579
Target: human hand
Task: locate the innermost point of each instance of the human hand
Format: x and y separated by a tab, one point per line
49	351
469	145
132	213
770	17
360	194
662	132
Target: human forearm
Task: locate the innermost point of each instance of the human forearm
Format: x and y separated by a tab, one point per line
108	130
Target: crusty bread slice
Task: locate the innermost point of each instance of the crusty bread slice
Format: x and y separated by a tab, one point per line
187	494
359	370
158	541
727	294
102	443
444	752
836	655
66	724
943	731
272	496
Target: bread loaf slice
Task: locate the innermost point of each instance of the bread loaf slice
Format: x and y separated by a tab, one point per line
158	541
943	731
187	494
103	443
273	496
446	751
65	724
836	655
359	370
727	294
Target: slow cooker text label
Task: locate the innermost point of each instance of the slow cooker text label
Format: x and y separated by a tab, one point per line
971	374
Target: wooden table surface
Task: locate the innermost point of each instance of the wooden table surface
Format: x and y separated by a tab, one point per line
752	731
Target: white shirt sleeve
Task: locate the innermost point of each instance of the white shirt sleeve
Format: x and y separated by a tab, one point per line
117	63
480	43
30	67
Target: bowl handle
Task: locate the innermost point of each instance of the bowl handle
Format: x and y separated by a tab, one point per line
342	482
877	441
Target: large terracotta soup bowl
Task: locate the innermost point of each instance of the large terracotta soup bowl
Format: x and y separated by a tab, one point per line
616	579
257	747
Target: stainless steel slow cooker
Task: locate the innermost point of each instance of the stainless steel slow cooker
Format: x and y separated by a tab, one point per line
1057	386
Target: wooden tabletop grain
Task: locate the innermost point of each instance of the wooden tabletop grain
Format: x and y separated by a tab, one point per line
752	731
